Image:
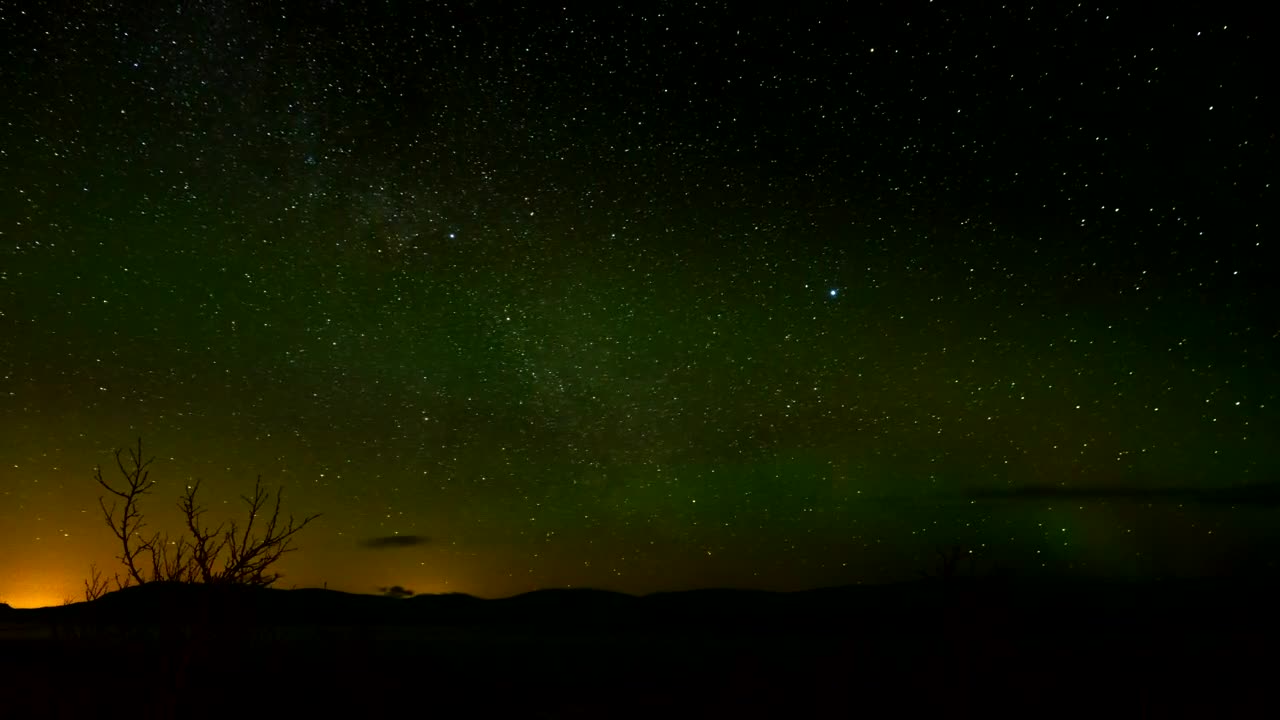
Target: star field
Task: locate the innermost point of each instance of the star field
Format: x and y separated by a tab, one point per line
648	297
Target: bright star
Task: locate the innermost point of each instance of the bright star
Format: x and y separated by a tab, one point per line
833	292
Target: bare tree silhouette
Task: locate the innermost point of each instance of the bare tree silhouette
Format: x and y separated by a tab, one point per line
94	586
128	527
229	553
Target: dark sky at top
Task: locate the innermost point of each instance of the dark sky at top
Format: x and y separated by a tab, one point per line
646	297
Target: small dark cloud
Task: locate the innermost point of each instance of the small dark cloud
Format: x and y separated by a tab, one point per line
395	541
396	591
1257	495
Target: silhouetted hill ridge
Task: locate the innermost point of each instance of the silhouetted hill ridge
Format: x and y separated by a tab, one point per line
919	604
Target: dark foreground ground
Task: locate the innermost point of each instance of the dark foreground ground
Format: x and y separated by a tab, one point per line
961	649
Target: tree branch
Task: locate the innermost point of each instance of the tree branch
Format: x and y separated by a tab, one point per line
127	528
248	557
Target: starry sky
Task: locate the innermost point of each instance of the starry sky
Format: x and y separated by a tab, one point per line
646	297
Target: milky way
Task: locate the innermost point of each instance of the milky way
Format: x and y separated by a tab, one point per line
650	298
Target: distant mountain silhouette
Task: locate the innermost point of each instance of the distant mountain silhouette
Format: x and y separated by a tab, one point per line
1020	645
1068	602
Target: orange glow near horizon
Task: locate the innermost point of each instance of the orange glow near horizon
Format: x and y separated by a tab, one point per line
22	588
35	594
31	601
54	572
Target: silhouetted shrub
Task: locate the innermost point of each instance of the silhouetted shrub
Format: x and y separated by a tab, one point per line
226	554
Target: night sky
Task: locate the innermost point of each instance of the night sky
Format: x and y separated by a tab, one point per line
650	297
